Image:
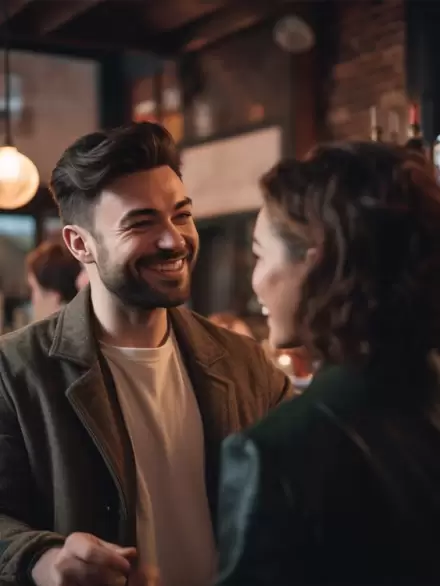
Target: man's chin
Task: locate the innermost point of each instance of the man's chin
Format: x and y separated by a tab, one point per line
169	300
174	302
152	300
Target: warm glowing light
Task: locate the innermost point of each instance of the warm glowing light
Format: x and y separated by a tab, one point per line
9	165
284	360
19	179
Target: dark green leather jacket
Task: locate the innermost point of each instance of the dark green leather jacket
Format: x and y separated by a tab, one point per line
339	486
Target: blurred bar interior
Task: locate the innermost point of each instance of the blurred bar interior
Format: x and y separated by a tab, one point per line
238	84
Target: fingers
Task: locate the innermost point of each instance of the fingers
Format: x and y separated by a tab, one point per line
92	551
75	571
85	560
127	552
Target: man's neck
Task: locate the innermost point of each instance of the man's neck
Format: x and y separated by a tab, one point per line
127	327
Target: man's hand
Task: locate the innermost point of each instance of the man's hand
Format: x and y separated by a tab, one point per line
84	560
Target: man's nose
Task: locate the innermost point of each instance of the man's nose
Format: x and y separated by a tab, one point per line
170	239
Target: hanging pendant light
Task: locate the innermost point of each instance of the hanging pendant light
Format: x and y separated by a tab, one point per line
19	178
294	35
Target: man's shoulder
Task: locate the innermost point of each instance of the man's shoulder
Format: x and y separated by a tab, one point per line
29	341
337	394
230	341
258	384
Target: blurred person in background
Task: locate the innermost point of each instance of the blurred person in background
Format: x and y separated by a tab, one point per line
112	411
232	322
52	274
341	485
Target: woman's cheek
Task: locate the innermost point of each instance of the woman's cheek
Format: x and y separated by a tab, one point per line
258	280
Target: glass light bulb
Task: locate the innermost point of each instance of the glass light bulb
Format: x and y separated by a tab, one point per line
19	179
9	165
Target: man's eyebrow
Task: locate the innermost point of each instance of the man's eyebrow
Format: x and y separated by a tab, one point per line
133	214
183	203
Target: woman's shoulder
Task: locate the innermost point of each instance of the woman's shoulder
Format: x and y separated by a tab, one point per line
337	394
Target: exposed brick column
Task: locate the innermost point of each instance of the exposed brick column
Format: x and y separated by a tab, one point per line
369	67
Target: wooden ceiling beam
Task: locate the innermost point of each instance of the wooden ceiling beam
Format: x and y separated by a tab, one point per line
52	17
98	28
85	41
117	26
12	8
233	18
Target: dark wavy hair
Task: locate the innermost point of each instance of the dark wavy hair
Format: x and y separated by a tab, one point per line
373	213
97	159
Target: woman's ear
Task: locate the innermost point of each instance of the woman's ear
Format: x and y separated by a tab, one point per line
312	257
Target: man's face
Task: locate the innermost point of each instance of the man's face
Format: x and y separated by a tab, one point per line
144	242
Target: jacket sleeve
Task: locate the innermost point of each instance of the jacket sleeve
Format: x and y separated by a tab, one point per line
255	512
20	544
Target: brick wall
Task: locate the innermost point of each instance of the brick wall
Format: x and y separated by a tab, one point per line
365	67
369	68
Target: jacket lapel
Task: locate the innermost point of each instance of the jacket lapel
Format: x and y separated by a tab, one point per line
216	394
93	397
204	359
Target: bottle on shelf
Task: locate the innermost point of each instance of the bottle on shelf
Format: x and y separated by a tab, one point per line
414	130
415	140
376	132
394	127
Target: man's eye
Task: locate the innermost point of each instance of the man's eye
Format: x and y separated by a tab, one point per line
184	216
141	224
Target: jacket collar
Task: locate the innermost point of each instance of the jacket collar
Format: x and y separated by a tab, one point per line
93	396
74	337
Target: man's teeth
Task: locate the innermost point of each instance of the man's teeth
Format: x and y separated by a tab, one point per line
176	265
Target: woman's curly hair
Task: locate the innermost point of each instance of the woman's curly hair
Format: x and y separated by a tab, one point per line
373	213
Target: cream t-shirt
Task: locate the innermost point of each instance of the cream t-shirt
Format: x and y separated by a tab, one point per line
165	426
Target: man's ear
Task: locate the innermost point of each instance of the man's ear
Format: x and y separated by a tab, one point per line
77	241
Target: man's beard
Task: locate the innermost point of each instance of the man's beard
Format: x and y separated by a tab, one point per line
127	284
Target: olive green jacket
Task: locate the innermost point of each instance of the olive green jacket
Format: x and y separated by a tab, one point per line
66	461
